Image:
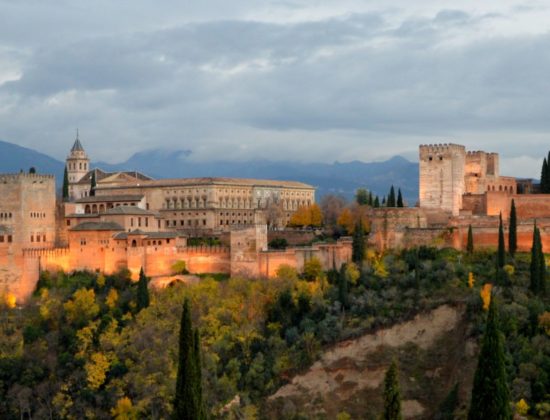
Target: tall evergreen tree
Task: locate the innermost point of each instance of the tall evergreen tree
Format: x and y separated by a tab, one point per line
513	230
65	184
535	263
392	397
391	197
188	403
501	255
490	394
371	200
399	198
198	374
142	291
470	244
538	264
544	177
358	244
93	184
343	287
376	202
384	202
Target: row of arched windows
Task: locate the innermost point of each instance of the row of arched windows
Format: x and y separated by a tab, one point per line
6	215
36	215
82	166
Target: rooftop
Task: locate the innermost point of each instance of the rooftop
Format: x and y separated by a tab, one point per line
110	198
91	226
148	235
133	210
184	182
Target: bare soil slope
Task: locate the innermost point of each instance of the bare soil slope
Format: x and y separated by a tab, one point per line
433	354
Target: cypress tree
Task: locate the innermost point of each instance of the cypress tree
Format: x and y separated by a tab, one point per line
198	374
371	200
65	185
535	261
361	196
544	177
538	265
399	198
547	177
490	394
343	287
513	230
358	244
501	256
188	402
93	184
392	397
142	291
391	197
470	244
376	202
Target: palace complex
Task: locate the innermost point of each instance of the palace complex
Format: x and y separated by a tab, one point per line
128	220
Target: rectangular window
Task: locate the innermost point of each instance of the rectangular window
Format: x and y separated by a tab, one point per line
32	238
68	223
139	221
132	222
43	238
37	238
10	238
146	222
1	238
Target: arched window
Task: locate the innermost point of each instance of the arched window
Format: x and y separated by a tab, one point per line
87	209
134	243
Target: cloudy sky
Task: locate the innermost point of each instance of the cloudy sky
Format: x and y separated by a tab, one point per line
284	80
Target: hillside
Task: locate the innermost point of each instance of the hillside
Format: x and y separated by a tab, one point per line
433	350
14	158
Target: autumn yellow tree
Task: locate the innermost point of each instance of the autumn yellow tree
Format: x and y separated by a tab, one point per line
316	215
346	221
307	216
82	307
486	295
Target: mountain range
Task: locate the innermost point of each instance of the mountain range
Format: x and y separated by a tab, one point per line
329	178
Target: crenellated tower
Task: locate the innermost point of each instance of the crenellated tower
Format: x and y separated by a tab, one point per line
442	170
78	165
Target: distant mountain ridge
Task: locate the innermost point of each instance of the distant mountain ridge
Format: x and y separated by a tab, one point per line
333	178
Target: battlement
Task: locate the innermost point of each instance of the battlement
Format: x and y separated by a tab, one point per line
441	148
24	176
46	252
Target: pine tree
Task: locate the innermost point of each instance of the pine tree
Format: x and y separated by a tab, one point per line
65	184
391	197
343	287
501	255
188	403
399	198
513	231
470	244
358	244
142	291
93	184
392	397
490	394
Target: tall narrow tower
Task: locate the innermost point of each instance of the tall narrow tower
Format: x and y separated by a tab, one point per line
78	165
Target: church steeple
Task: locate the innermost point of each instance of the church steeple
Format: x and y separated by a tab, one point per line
78	166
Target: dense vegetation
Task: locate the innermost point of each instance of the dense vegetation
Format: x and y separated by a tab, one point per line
84	347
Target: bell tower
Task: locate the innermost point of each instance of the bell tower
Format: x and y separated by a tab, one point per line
78	165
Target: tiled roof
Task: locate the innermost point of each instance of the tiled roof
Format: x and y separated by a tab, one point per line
185	182
148	235
110	198
91	226
77	146
102	175
129	210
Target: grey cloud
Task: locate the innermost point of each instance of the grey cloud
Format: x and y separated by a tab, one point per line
247	88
